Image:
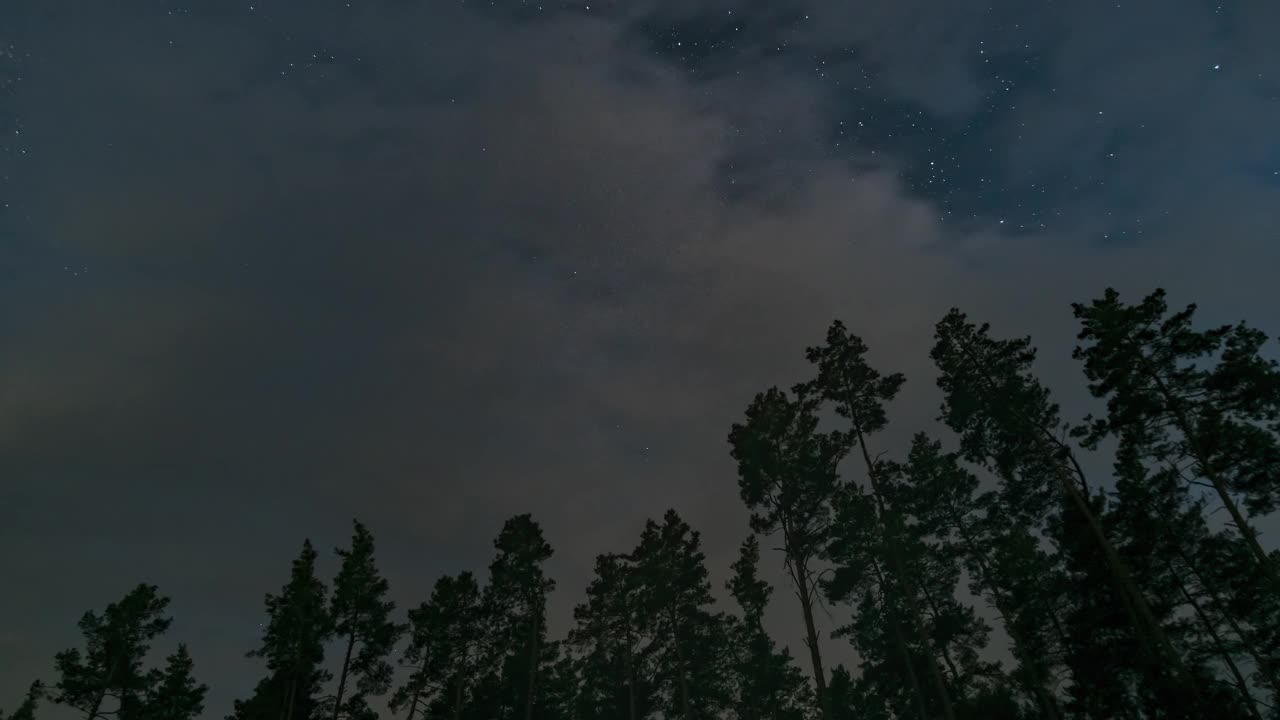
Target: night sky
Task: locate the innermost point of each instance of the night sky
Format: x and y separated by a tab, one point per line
269	265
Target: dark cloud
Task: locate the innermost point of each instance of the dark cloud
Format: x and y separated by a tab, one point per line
431	265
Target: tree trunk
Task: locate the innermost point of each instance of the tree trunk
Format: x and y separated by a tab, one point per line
1242	525
342	676
631	675
457	696
1146	627
946	653
96	706
289	695
413	703
800	576
1218	645
417	691
535	621
682	670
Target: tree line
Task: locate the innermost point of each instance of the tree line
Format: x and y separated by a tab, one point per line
1142	593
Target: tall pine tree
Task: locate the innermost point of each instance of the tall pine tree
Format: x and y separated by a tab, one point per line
448	644
110	668
362	622
614	668
293	647
1220	424
787	479
1008	423
26	710
174	693
766	683
685	637
968	528
517	600
860	393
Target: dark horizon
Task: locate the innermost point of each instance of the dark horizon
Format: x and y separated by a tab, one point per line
266	269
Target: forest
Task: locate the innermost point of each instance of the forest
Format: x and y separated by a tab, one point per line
984	575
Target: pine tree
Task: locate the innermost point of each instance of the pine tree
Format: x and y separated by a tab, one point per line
559	685
1008	424
943	498
1011	559
1160	529
849	699
362	620
449	640
674	601
860	393
933	558
1220	424
174	693
787	478
27	709
767	685
517	600
421	685
614	669
116	643
891	665
293	647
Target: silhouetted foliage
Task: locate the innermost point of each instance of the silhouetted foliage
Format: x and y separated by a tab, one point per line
615	674
765	683
174	693
362	622
30	703
1120	595
111	666
685	640
787	478
516	604
859	393
455	623
293	642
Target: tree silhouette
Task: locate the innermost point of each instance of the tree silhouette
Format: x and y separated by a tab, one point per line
516	598
420	686
116	644
1008	423
673	598
293	646
787	479
449	631
972	528
174	693
766	683
614	670
1218	425
26	710
929	490
860	392
1122	595
362	619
